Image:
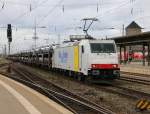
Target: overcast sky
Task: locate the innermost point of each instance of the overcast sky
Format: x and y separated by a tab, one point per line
57	19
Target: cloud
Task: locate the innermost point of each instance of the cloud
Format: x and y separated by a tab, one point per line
58	21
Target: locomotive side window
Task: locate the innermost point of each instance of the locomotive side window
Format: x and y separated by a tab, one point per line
102	48
82	48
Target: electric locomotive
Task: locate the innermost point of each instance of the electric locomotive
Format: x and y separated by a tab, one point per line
94	59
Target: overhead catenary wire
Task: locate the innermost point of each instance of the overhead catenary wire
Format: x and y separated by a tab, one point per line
31	9
27	12
49	12
65	5
41	5
61	5
136	19
51	5
120	6
113	9
110	10
123	4
3	5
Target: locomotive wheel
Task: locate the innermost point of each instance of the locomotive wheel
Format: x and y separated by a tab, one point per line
70	73
75	76
88	79
81	78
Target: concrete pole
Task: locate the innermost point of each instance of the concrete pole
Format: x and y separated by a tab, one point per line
120	55
148	54
5	53
123	30
8	48
125	57
143	55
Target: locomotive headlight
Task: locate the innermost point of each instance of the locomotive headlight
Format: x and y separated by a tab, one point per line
115	66
93	66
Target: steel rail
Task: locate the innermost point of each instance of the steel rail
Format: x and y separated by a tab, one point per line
136	80
63	96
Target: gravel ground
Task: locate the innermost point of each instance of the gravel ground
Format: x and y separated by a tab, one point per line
135	86
3	60
116	103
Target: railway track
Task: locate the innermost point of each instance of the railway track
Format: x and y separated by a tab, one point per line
66	98
115	88
132	93
137	80
135	77
74	103
134	74
123	91
126	92
4	64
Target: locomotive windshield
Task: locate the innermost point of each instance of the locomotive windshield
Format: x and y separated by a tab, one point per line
102	48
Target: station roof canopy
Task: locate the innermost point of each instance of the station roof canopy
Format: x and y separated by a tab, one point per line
139	39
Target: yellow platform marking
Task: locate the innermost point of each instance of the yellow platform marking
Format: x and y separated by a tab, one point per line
76	58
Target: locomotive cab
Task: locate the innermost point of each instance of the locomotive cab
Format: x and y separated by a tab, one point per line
99	59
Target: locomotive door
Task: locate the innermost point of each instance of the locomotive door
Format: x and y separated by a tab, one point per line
82	55
80	58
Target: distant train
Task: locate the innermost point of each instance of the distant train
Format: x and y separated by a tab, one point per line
84	59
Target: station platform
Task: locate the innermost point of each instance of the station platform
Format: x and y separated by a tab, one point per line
15	98
135	68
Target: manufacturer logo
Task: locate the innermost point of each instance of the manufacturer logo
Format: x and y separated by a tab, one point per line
63	56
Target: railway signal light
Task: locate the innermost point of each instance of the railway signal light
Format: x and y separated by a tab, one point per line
9	33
